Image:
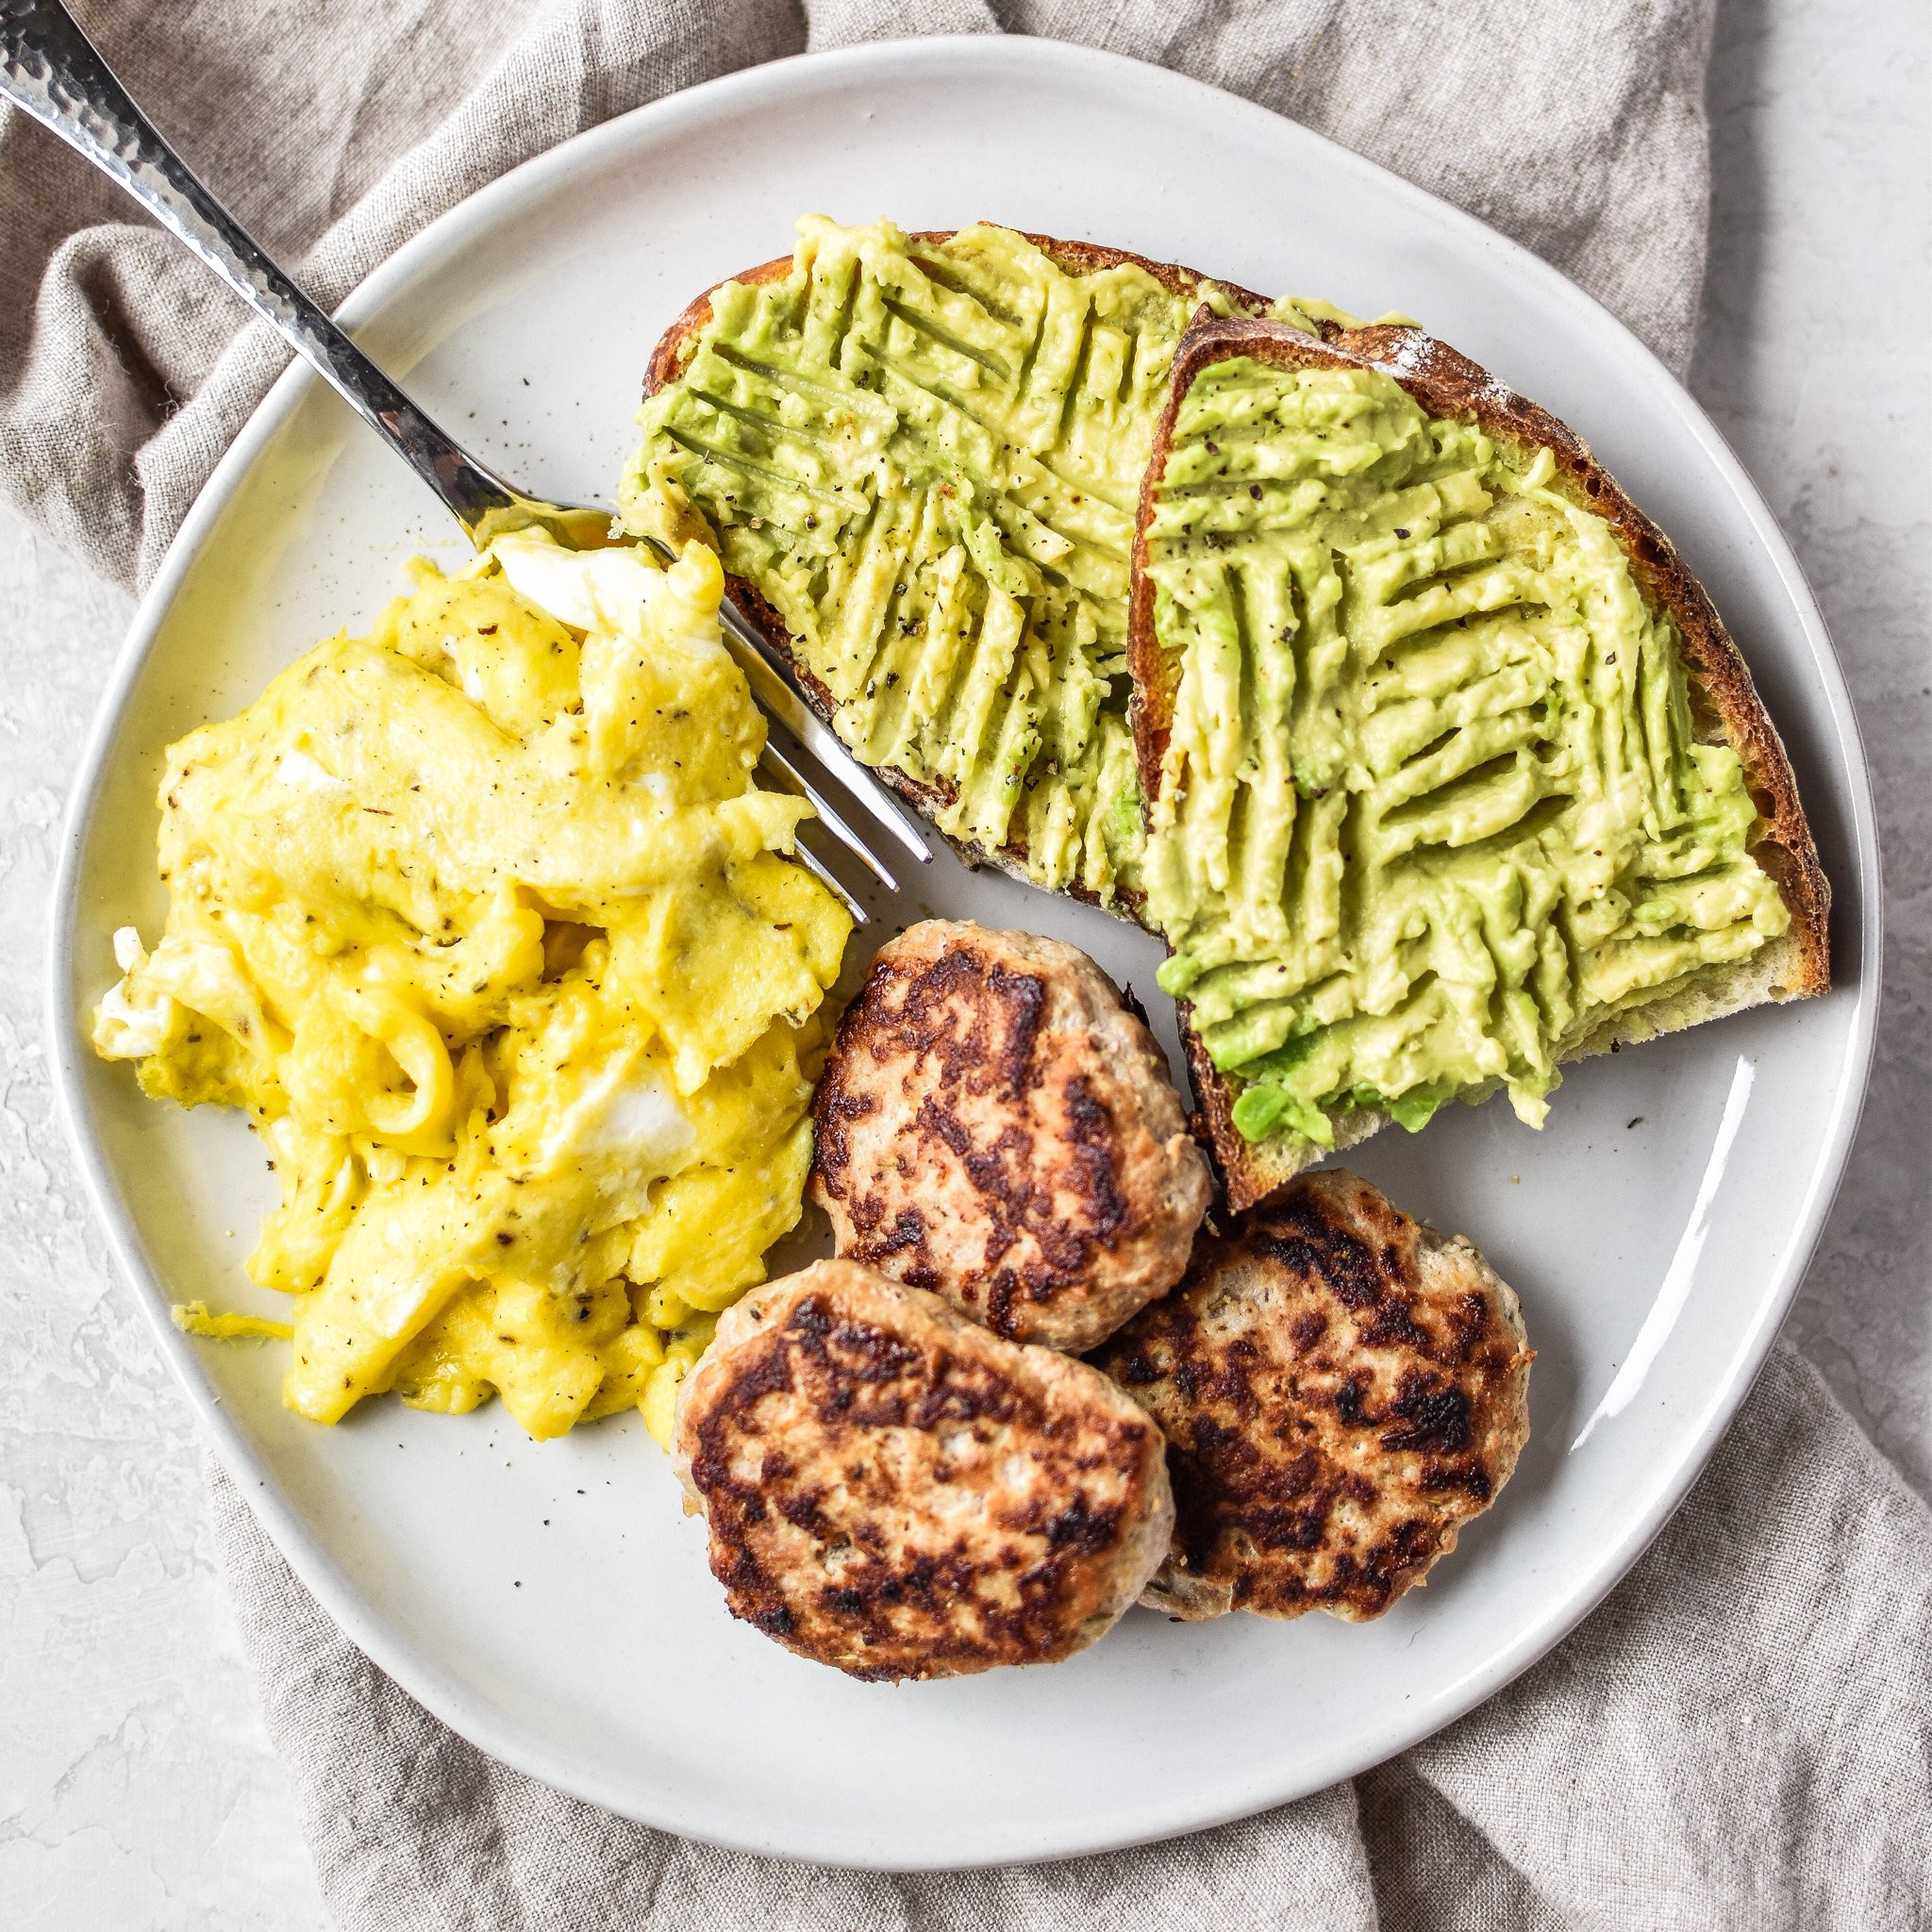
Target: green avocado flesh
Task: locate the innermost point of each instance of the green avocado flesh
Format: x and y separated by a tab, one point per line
926	458
1433	810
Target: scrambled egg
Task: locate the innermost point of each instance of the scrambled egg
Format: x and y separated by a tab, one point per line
484	920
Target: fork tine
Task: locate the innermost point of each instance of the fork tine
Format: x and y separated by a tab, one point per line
747	650
793	781
817	737
825	875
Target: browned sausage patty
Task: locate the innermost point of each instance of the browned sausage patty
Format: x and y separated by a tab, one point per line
1342	1388
995	1126
894	1491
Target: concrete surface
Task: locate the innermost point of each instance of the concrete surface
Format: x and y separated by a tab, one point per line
137	1789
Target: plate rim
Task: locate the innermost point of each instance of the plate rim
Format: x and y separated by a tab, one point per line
413	1668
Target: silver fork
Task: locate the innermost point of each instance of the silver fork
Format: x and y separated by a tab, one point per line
50	68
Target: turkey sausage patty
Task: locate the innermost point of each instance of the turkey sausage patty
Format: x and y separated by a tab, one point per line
1343	1388
995	1126
894	1491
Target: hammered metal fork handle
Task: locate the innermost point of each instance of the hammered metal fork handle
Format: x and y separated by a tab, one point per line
49	67
52	70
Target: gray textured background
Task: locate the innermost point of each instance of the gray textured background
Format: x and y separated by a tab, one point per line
137	1790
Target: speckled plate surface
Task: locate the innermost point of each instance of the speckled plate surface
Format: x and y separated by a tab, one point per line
550	1601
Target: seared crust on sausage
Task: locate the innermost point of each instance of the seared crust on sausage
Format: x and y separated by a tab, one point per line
993	1124
1726	703
894	1490
1342	1387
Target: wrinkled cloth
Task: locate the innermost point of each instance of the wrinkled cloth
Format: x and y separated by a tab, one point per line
1742	1736
1739	1738
336	131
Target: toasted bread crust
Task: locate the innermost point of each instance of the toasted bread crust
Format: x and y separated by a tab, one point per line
898	1492
1342	1388
676	345
1447	384
1252	1172
668	362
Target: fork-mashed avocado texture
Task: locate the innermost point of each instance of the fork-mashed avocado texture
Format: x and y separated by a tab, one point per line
484	920
1433	810
925	456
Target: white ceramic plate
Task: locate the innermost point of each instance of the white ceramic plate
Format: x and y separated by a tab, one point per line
550	1601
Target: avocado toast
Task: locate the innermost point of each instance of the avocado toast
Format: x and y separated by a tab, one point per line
1454	774
920	457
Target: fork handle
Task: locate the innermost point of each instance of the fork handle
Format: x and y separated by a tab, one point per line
49	67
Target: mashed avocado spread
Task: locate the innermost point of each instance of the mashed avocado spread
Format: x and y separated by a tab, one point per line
1433	809
926	458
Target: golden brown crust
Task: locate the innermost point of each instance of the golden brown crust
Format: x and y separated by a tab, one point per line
995	1126
1075	258
1341	1388
894	1491
1252	1171
1448	383
674	346
667	363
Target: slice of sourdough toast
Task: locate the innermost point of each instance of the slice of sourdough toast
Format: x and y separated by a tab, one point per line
919	457
1407	816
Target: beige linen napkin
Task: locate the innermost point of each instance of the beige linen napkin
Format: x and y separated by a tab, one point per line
1737	1741
335	131
1739	1738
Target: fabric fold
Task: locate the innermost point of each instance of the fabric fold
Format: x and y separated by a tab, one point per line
1739	1736
339	132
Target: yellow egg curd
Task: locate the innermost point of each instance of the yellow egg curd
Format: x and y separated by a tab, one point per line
486	923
